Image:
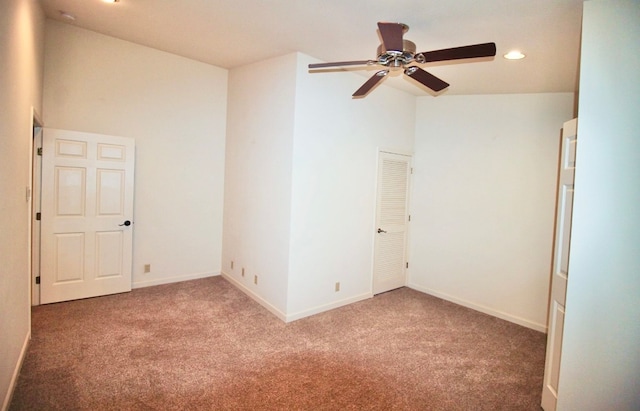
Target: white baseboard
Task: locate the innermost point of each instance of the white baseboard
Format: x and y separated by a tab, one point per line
169	280
273	310
16	373
483	309
296	316
326	307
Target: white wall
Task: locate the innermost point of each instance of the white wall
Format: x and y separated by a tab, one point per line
21	63
175	108
334	181
483	203
600	367
257	199
300	182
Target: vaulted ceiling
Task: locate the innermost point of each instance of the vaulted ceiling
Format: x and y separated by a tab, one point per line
231	33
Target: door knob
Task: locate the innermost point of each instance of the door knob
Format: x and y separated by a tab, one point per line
380	230
127	223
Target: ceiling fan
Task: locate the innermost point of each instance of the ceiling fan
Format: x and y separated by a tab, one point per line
397	53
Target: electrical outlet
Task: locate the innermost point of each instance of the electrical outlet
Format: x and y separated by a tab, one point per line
338	286
232	264
243	271
255	279
147	268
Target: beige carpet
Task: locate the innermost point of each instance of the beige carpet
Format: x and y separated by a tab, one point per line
204	345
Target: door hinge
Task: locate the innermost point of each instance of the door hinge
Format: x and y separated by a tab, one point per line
39	151
38	280
407	264
409	217
38	216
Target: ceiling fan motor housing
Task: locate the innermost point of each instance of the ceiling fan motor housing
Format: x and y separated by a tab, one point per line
397	58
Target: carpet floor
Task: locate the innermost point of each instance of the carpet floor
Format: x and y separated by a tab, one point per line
204	345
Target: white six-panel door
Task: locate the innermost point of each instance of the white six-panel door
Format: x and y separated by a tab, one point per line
560	265
87	200
392	214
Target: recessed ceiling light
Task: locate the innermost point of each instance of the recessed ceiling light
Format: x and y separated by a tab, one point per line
514	55
111	1
67	16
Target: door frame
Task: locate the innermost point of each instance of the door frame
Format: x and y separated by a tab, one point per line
33	196
374	223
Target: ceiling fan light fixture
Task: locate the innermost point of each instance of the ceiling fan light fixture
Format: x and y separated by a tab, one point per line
514	55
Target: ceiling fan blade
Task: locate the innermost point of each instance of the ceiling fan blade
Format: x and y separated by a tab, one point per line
456	53
428	79
371	83
392	35
342	63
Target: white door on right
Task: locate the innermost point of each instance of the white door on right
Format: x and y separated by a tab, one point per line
392	214
560	265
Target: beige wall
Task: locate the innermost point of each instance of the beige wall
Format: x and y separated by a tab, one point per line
175	109
21	61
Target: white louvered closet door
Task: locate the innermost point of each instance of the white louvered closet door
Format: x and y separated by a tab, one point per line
390	262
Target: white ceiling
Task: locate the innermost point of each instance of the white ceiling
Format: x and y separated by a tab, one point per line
232	33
